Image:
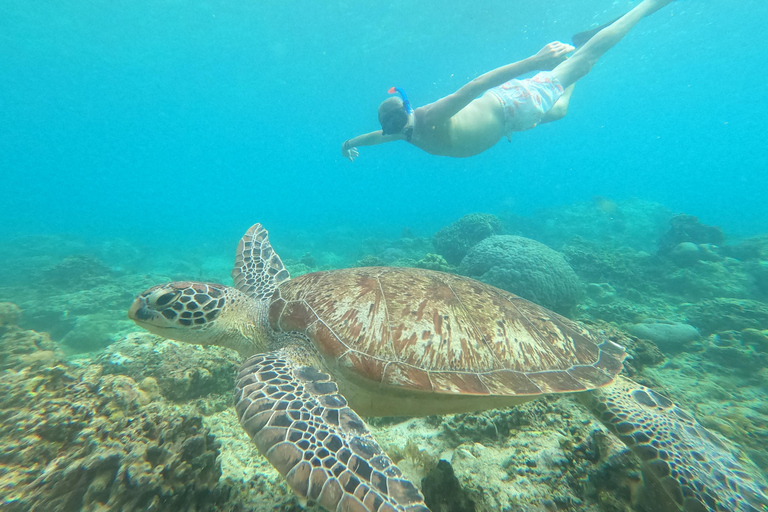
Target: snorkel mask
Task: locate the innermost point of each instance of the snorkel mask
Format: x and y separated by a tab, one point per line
393	115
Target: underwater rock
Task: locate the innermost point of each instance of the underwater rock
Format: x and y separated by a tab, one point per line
454	241
670	337
724	314
526	268
181	371
9	314
442	490
76	440
687	228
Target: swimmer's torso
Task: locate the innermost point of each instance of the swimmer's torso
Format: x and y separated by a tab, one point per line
475	128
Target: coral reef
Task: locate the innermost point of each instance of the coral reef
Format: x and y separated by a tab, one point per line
754	248
76	439
454	241
526	268
687	228
709	280
9	313
435	262
21	348
730	349
631	223
686	254
623	268
77	272
756	338
85	315
725	314
182	371
147	424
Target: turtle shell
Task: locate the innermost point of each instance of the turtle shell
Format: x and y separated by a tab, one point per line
436	332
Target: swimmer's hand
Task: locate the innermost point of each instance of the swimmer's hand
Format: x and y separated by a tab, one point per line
552	54
349	152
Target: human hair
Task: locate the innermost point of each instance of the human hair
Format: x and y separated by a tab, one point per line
392	115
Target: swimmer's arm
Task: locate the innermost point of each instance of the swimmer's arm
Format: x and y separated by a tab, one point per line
349	147
548	57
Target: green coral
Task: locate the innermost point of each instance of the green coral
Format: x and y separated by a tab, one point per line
435	262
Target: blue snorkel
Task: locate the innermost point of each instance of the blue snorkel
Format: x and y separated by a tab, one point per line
406	103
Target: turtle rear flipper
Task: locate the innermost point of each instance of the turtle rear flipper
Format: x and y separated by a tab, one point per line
298	420
697	469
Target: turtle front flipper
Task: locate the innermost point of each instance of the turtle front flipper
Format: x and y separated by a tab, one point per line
697	469
258	269
304	427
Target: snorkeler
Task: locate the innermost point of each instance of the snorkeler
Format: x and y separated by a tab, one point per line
495	104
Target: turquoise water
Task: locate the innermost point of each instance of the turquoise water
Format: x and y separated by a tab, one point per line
139	140
160	121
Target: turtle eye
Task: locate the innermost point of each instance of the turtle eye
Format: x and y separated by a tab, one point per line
166	299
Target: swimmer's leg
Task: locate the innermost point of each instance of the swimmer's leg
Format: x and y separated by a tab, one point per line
560	108
585	57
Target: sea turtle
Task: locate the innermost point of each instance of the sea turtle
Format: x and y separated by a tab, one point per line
328	347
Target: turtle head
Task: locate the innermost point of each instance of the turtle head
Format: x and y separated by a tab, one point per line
201	313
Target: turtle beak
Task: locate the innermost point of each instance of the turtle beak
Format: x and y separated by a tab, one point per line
139	312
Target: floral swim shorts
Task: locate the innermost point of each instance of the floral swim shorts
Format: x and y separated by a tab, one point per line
526	101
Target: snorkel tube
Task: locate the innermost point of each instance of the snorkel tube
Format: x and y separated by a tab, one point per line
406	103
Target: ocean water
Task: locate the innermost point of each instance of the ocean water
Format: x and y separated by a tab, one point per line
157	121
139	140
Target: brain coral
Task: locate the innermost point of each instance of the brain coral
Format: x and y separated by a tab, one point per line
454	241
526	268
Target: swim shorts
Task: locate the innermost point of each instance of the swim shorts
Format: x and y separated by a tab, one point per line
526	101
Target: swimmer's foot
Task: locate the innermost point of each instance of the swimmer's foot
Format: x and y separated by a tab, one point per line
651	6
582	37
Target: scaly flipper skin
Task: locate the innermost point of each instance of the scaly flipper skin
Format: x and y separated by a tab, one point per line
697	470
297	419
258	269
